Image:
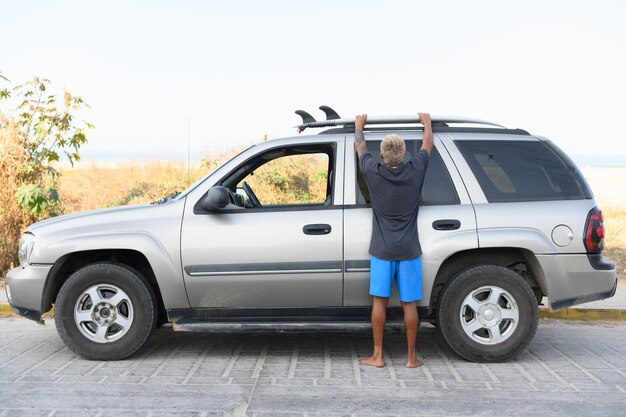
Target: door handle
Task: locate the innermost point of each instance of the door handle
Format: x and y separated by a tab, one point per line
317	229
446	224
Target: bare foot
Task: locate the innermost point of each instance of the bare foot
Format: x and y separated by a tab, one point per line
414	363
372	361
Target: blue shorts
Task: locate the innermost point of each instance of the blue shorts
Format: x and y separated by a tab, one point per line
407	274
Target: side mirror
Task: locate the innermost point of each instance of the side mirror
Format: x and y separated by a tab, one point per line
217	198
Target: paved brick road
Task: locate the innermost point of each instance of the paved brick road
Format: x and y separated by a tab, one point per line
569	369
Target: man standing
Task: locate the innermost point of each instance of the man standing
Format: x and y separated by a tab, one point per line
394	248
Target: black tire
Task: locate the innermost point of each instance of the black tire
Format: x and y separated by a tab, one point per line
141	298
466	283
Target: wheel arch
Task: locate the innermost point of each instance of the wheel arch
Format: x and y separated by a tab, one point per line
72	262
520	260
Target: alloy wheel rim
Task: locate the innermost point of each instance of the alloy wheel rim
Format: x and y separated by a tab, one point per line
489	315
103	313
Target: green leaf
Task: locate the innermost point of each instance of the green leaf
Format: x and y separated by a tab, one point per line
79	138
53	172
28	168
53	195
53	156
31	197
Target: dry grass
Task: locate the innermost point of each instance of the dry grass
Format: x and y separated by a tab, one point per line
615	226
618	255
298	178
290	180
612	201
13	220
92	186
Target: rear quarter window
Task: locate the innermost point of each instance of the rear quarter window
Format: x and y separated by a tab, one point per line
513	171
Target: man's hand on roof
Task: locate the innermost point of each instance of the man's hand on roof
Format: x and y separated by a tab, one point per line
427	142
359	121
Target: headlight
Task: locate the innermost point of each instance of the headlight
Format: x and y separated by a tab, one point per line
27	242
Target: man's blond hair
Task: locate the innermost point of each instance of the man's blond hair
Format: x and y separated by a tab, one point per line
392	150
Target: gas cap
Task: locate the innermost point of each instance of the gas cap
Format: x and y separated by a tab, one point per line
562	235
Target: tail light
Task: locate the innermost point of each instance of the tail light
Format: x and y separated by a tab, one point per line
594	231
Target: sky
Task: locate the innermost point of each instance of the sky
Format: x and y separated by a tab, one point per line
236	71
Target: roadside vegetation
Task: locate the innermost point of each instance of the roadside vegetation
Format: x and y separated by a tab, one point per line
38	128
615	225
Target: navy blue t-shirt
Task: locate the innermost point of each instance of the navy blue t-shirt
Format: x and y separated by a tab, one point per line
394	194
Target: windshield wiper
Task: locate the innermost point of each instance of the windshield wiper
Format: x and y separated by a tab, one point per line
167	198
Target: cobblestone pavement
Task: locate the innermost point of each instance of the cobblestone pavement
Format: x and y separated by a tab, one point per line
569	369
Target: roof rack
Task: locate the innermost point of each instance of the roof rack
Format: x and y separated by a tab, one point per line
388	120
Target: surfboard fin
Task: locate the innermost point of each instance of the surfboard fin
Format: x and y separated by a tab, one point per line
306	117
330	113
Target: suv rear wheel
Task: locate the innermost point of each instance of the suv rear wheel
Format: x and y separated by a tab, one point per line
105	311
488	314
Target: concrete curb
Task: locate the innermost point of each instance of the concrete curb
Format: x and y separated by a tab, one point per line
584	314
5	309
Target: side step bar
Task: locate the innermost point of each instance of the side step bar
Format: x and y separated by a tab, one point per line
281	326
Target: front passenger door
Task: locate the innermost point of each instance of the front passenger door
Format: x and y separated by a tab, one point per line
287	252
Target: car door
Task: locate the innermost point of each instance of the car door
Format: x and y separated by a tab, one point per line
446	220
286	253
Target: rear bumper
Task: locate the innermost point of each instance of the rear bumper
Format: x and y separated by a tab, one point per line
576	279
24	288
559	305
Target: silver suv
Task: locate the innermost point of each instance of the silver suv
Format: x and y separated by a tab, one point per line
506	220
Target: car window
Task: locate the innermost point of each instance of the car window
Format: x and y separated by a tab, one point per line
437	189
293	176
510	171
290	180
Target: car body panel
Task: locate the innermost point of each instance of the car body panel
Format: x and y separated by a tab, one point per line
153	230
263	259
24	286
572	280
531	224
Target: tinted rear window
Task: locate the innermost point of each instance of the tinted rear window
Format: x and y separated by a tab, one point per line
519	171
437	189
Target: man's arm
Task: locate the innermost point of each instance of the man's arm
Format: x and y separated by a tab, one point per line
359	138
427	142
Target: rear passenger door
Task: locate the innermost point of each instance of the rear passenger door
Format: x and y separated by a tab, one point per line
446	221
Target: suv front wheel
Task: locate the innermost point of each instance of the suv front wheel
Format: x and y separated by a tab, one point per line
488	314
105	311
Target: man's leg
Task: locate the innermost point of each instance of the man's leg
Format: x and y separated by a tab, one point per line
410	289
379	316
411	324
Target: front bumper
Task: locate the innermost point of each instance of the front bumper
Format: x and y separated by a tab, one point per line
24	287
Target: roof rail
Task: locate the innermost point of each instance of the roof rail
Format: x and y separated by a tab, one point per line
390	120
